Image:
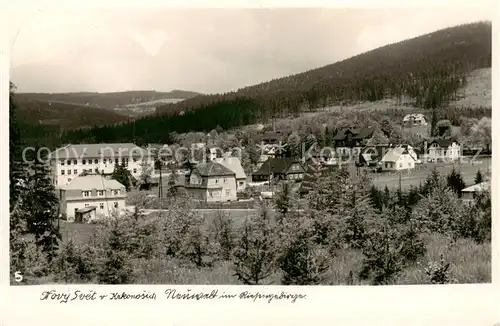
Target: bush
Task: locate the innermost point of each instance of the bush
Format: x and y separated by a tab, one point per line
438	272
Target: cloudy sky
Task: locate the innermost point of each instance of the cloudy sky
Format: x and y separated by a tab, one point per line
204	50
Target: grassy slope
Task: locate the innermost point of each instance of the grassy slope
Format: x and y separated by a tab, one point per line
470	263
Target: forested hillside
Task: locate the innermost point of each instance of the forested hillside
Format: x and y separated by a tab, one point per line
427	71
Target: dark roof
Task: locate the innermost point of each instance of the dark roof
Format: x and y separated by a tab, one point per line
86	209
358	134
275	165
213	169
444	142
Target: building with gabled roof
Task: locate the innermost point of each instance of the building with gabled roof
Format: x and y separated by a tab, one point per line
444	149
396	159
212	182
283	168
234	164
92	190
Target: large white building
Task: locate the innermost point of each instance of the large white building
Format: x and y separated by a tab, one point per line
92	192
72	160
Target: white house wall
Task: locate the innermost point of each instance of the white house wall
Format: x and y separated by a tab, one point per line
135	168
71	205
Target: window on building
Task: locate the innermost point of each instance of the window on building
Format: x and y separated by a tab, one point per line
100	193
86	193
134	159
62	172
96	170
75	162
101	205
96	161
69	172
225	180
241	183
62	162
86	205
104	160
115	204
84	162
116	192
135	170
75	171
216	180
69	162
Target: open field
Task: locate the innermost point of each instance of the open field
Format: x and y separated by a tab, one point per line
420	173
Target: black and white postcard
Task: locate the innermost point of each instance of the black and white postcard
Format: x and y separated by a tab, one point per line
187	165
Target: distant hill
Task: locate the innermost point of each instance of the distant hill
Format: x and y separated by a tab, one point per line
428	69
65	116
109	100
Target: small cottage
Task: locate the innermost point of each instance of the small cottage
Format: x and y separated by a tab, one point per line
282	168
397	159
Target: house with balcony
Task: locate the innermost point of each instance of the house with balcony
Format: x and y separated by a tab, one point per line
71	160
91	196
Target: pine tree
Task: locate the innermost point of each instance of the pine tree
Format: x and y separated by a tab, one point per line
479	177
285	201
121	175
456	182
115	267
223	235
41	206
255	252
303	261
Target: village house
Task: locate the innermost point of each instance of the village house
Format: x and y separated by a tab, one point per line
397	159
70	161
91	196
415	119
212	182
281	168
234	164
349	142
443	149
272	137
469	194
